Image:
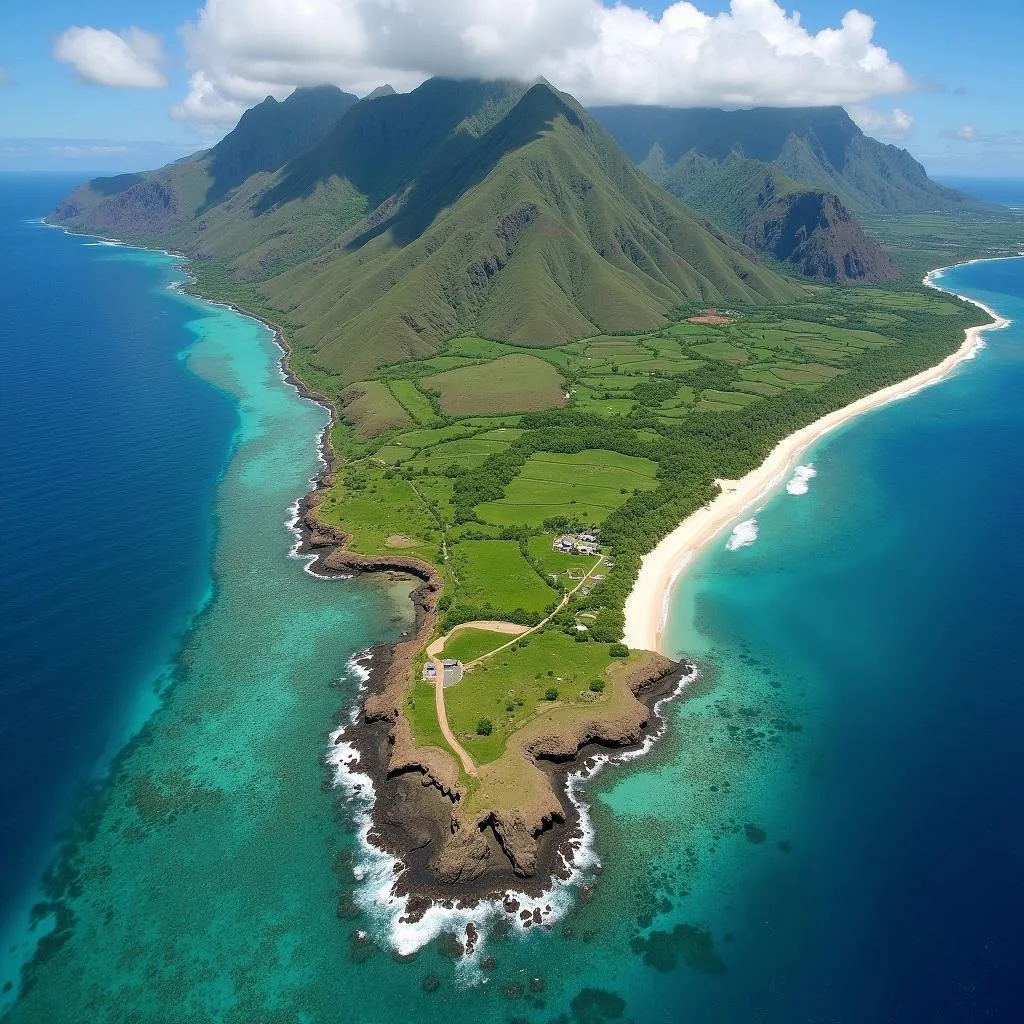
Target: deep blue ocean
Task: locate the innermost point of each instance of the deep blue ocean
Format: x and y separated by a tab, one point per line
1004	191
110	453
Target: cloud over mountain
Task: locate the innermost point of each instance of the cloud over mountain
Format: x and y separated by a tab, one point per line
130	59
755	53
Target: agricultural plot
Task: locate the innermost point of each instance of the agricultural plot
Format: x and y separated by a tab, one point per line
492	574
415	403
371	409
584	487
513	383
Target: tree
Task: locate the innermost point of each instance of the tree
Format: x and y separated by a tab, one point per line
551	693
618	651
484	727
597	686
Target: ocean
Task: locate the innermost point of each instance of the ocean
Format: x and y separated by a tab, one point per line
1003	191
826	832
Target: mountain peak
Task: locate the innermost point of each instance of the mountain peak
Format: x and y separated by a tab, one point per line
381	90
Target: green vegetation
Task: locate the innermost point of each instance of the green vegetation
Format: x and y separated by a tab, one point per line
512	383
494	578
468	644
518	679
498	303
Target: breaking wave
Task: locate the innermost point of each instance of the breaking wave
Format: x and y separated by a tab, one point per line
375	870
743	535
802	477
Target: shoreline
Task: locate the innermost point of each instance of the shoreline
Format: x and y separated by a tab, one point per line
647	607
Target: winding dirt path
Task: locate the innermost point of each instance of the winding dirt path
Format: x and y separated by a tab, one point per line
435	648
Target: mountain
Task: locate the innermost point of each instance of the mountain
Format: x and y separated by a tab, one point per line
173	203
489	206
819	147
807	228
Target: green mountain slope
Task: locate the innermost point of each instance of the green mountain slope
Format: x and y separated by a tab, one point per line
490	206
541	231
808	228
194	203
818	147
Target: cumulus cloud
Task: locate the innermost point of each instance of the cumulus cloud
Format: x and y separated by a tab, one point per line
891	125
754	53
965	133
130	59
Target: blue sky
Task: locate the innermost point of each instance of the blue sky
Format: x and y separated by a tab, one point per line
956	104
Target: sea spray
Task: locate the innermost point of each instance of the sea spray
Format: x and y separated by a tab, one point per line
743	534
802	476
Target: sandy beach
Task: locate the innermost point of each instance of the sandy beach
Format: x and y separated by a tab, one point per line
647	605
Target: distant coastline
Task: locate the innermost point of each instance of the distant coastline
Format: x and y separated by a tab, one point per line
647	606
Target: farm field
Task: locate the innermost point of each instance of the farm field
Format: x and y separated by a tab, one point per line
511	383
468	644
494	575
474	461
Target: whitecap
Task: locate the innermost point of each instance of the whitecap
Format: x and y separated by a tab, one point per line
802	477
743	534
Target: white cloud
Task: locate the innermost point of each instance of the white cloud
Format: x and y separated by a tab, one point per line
129	59
891	125
966	133
754	53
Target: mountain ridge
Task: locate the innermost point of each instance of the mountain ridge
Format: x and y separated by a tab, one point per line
495	206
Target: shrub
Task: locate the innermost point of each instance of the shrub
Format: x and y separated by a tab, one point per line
618	650
484	727
597	686
551	693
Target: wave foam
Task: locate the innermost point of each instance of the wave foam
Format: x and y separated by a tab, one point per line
743	535
802	477
376	870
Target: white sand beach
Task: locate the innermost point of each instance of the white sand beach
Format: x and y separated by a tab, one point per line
647	605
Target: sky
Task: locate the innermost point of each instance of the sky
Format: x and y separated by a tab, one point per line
113	84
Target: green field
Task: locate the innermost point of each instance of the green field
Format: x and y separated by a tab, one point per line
469	644
413	401
588	486
494	576
510	688
513	383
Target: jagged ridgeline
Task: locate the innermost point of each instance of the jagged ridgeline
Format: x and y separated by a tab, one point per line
393	223
789	182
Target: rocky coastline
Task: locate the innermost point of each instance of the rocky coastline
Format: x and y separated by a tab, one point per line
417	815
448	857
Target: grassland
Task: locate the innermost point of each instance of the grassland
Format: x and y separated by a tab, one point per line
493	575
511	383
511	688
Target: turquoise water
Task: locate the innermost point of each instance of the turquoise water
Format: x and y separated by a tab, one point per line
825	833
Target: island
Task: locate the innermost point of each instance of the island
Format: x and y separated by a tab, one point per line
539	363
